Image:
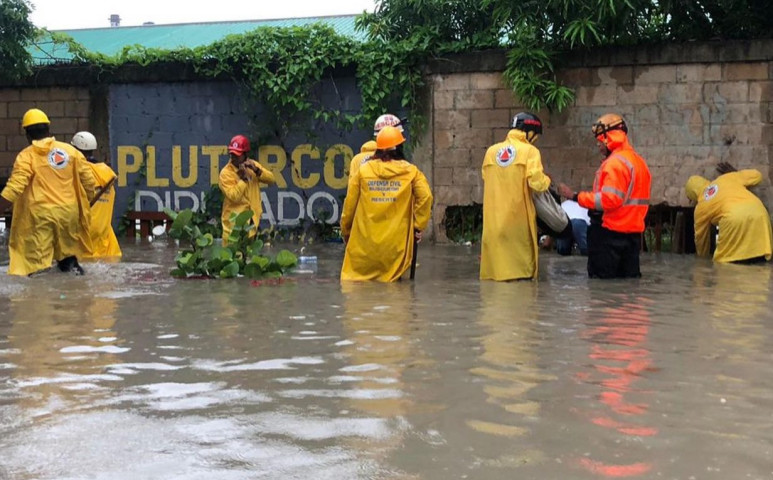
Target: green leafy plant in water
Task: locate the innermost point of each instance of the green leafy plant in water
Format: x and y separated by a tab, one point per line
207	218
200	255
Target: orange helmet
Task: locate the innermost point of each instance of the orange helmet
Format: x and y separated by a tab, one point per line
611	130
389	137
608	122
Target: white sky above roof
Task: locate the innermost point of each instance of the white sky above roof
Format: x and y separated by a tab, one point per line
73	14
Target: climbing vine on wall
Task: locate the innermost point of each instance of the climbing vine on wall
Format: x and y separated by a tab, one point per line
279	65
279	68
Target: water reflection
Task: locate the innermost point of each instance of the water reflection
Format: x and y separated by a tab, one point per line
62	351
378	348
617	331
738	297
509	367
127	373
733	305
376	323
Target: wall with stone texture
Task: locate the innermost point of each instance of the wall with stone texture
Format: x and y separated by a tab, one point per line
688	107
66	107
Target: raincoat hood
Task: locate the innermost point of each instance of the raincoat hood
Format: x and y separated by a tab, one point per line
44	144
388	169
694	186
617	139
368	147
517	135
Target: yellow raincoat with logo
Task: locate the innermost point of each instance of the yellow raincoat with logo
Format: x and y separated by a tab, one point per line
387	202
50	187
366	152
239	195
103	240
511	171
743	221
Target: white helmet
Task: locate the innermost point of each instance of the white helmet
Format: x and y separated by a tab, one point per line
386	120
84	141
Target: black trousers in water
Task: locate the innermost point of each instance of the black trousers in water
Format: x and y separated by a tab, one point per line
612	254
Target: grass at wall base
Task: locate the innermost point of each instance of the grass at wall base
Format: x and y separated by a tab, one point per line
200	256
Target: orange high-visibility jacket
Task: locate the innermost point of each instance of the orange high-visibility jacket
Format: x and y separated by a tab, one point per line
621	190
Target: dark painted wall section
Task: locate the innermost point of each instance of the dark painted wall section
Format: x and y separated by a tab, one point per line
168	144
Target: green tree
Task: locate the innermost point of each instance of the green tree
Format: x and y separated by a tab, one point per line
535	32
723	19
455	24
16	32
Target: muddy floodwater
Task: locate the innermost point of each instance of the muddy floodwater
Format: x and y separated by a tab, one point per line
127	373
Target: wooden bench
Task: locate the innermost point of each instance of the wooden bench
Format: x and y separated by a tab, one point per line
147	221
678	221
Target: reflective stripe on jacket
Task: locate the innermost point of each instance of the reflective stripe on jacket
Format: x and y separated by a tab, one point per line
621	191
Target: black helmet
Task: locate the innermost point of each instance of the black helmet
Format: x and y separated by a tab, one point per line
529	123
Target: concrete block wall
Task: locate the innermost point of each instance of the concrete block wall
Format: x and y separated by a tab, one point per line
68	108
683	120
710	105
689	106
470	113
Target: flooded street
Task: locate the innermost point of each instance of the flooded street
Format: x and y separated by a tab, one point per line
127	373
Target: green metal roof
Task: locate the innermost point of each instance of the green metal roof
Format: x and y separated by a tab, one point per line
111	40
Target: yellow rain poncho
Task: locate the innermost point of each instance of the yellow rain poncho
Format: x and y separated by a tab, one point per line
511	170
387	202
239	195
743	221
103	240
366	152
50	187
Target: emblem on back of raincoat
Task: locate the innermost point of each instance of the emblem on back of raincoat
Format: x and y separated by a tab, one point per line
710	192
58	158
505	156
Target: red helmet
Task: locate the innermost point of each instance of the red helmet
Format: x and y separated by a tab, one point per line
239	144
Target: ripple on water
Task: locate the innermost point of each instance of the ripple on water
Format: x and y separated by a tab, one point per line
66	378
354	394
274	364
365	367
126	294
129	368
188	396
89	349
305	427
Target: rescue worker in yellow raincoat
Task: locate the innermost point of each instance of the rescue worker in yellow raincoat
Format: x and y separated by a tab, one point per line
511	171
369	148
744	223
49	187
240	183
388	206
103	240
